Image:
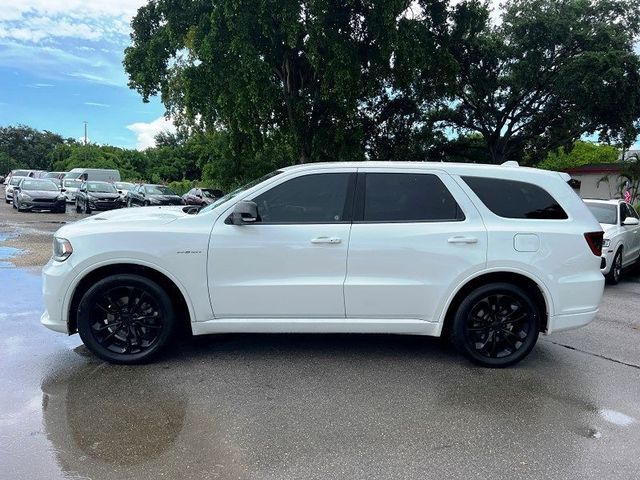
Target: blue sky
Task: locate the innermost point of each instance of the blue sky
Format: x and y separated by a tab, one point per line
61	64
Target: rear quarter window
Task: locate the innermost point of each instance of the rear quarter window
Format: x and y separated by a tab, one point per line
515	199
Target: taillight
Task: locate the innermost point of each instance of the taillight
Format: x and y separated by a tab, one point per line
594	239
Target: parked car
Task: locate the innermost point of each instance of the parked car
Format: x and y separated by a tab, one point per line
487	255
97	196
55	176
94	174
124	188
144	195
621	244
202	196
18	173
38	194
70	189
8	191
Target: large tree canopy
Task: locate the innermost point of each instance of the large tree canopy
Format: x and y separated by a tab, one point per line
548	73
321	77
26	147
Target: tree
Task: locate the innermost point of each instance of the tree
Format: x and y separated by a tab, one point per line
28	147
548	73
317	76
582	153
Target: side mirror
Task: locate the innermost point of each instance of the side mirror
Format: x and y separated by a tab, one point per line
63	189
244	212
630	221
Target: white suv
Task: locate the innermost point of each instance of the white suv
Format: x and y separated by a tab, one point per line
621	244
488	255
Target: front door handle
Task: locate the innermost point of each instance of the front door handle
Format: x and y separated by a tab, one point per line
330	240
462	240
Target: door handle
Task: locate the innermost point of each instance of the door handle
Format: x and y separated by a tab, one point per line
462	240
330	240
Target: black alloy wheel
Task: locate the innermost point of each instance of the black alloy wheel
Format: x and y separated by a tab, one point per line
496	325
126	319
615	272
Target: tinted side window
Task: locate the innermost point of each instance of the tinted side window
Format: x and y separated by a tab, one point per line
316	198
513	199
631	211
408	197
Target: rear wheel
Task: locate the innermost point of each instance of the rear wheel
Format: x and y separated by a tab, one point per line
78	210
126	319
496	325
615	272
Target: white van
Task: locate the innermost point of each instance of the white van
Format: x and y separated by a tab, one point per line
95	174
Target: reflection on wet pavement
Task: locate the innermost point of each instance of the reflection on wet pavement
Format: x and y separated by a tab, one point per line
284	406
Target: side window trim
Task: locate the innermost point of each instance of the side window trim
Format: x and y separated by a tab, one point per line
359	201
347	207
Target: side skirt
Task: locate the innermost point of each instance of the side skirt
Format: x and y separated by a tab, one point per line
316	325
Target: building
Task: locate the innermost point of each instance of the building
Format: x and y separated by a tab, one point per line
599	180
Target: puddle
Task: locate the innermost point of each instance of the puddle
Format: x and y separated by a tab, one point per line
617	418
7	253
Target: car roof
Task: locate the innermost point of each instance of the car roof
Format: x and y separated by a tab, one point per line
456	168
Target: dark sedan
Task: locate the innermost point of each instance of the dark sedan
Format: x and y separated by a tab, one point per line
97	196
202	196
145	195
32	194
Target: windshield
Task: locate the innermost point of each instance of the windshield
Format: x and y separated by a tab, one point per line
604	213
124	186
15	180
238	191
101	187
72	183
41	185
158	190
208	193
21	173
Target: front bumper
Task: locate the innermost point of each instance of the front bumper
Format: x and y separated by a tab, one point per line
104	206
55	278
35	205
607	261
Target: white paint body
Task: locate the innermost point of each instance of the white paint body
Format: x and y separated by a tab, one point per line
620	237
340	277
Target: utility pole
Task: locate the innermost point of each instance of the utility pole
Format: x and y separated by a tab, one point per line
85	132
85	143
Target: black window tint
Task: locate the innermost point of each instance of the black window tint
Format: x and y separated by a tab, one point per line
513	199
408	197
317	198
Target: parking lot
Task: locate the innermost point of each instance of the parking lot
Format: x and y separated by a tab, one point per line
301	406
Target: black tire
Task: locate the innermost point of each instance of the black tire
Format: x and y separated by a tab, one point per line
108	325
146	204
85	208
78	210
489	331
129	203
615	272
7	201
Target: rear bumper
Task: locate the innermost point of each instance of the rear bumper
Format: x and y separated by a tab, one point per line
558	323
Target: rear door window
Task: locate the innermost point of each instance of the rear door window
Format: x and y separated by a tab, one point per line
408	197
515	199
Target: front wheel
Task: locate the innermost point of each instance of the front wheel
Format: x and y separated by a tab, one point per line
615	272
126	319
496	325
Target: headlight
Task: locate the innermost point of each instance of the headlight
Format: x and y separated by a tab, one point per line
62	196
62	249
606	242
26	196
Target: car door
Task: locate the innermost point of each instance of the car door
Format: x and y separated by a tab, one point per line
291	263
415	234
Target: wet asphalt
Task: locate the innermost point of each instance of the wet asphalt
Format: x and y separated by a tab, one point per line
303	406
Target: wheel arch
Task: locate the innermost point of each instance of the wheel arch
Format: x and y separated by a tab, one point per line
531	285
176	294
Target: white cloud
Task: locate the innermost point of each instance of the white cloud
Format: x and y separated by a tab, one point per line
96	104
146	132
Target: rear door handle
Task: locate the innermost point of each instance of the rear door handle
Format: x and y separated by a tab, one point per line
462	240
331	240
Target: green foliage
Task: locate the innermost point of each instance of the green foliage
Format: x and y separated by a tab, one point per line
582	153
28	147
548	73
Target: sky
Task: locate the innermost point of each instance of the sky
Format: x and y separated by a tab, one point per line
61	65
